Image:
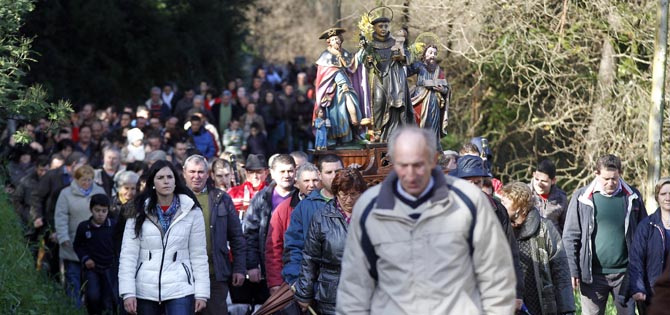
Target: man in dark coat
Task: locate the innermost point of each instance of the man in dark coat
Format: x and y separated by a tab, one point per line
471	168
257	221
224	228
43	203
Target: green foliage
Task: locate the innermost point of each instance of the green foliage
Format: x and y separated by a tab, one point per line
112	52
17	100
610	310
23	290
557	79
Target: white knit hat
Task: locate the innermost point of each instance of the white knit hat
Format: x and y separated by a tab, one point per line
134	135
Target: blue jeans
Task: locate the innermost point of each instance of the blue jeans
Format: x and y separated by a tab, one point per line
180	306
73	281
99	291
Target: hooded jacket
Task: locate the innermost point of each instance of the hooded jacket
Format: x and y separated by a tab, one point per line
72	208
579	226
204	141
164	265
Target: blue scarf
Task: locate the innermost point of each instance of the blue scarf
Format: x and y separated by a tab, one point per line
86	192
165	218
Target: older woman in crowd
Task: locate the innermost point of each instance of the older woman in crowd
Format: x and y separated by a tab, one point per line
324	246
122	208
651	246
163	266
72	207
547	286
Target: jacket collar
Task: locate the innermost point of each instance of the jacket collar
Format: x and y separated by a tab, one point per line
186	205
315	195
107	223
252	188
215	195
587	196
387	197
529	227
656	217
436	204
295	198
630	194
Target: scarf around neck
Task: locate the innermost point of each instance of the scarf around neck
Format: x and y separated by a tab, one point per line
165	217
86	192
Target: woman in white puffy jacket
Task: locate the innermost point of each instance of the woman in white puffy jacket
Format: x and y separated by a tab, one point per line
163	267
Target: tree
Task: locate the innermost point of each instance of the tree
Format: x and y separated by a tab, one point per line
656	107
18	101
568	80
111	52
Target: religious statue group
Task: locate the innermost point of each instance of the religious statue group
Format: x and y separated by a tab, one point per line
368	90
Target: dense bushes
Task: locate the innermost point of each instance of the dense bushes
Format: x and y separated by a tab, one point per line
23	290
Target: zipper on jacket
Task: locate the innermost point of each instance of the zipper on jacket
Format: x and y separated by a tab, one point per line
188	273
164	241
138	270
661	230
160	271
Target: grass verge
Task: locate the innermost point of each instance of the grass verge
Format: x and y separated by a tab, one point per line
23	290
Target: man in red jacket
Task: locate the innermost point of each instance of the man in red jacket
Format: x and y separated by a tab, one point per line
257	172
307	180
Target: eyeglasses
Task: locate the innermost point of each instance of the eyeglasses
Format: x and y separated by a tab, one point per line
348	196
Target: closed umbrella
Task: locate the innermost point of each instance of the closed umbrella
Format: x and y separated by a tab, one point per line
278	301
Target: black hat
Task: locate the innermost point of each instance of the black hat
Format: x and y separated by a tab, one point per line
470	166
380	19
381	14
334	31
255	162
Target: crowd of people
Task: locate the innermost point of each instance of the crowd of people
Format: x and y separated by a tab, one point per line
209	203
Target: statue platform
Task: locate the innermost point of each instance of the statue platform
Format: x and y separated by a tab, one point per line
373	159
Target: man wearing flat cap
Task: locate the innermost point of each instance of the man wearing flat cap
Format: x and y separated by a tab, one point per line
257	172
334	90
